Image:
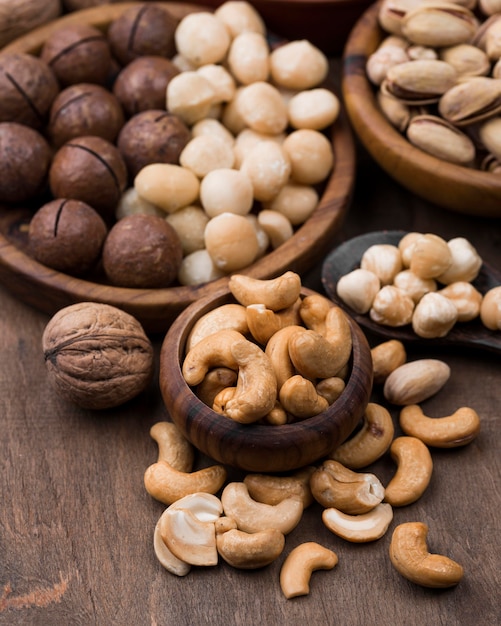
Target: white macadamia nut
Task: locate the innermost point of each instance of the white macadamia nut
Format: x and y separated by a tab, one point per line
262	108
202	38
226	190
167	186
313	108
183	64
413	285
434	316
240	16
391	307
276	226
198	268
231	117
206	153
490	309
466	298
190	96
384	260
213	127
231	241
247	139
310	154
263	241
189	223
465	264
358	289
249	58
131	203
296	202
268	168
221	80
298	65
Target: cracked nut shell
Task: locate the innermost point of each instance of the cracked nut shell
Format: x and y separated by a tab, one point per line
96	355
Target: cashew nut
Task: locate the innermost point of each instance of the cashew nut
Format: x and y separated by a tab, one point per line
277	416
301	562
166	484
299	397
370	442
451	431
215	381
256	390
222	398
225	317
212	351
277	350
315	357
334	485
262	322
250	550
273	489
173	447
338	333
410	557
167	559
190	539
359	528
313	311
386	357
330	388
414	470
275	293
252	516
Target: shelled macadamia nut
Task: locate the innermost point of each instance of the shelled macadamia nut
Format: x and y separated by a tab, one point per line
296	202
298	65
268	168
167	185
239	16
310	154
191	96
198	268
206	153
189	224
221	80
226	190
262	108
231	241
313	108
248	58
202	38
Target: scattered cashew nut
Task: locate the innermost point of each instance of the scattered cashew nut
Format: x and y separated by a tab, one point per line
173	447
301	562
414	471
167	559
451	431
271	489
250	550
359	528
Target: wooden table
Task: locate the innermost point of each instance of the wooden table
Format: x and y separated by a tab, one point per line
76	523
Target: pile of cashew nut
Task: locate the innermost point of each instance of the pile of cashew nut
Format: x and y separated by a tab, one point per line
273	356
247	524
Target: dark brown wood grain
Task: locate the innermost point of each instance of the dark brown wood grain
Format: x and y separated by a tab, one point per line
462	189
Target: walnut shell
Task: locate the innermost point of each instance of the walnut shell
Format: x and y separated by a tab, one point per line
96	355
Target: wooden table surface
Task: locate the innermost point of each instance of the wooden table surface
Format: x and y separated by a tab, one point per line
76	523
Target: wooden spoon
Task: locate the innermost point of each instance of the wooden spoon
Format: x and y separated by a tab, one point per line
346	257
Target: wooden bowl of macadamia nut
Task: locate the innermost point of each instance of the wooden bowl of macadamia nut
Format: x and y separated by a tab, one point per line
439	140
195	164
265	376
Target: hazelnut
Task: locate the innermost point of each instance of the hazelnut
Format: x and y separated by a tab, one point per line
142	30
96	355
142	84
142	251
28	87
78	53
84	109
89	169
67	235
153	136
24	162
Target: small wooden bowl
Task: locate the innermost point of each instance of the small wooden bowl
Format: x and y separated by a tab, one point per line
49	290
450	186
259	447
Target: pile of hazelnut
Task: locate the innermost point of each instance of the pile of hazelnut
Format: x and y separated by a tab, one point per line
164	150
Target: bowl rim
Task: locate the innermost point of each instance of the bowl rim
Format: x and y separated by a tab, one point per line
21	273
475	192
198	417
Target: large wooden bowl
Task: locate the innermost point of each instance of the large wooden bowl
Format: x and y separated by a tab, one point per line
259	447
450	186
49	290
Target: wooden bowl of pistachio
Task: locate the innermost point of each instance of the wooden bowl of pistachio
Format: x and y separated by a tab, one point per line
421	88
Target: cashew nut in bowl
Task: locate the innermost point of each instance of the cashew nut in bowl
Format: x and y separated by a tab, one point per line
370	442
252	516
300	564
313	311
275	293
277	350
452	431
330	388
299	397
272	490
414	471
359	528
250	550
314	356
262	322
410	557
215	381
228	316
212	351
172	446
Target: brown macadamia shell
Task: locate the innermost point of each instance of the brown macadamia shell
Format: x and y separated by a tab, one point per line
142	251
67	235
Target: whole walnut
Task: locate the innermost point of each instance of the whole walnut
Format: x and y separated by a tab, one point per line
142	30
28	87
96	355
153	136
78	53
67	235
84	109
25	157
92	170
142	84
142	251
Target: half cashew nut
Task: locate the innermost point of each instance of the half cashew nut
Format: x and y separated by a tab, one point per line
167	559
410	557
275	293
414	470
451	431
250	550
301	562
359	528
